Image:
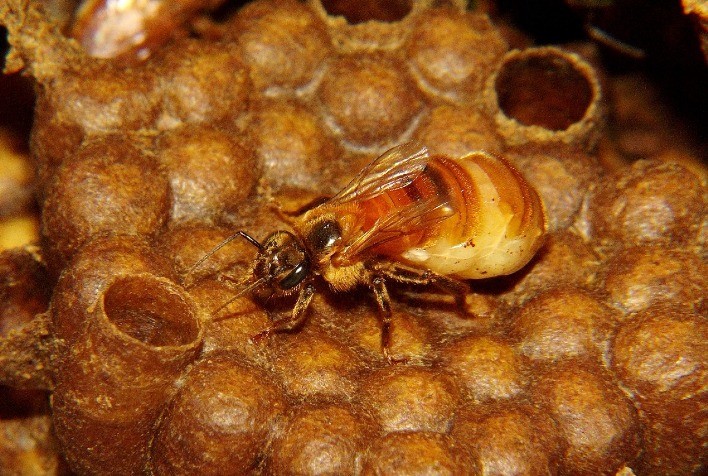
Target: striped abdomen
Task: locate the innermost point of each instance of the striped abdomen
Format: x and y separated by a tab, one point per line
496	227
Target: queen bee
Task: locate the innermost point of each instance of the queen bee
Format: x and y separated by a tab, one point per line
407	217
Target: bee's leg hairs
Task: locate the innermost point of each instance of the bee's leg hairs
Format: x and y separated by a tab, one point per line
424	277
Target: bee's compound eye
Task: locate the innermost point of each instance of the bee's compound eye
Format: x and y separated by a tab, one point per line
295	276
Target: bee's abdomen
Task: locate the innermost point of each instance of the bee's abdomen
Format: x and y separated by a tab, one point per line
498	222
437	186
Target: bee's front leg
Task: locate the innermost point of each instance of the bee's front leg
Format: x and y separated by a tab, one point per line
410	275
295	320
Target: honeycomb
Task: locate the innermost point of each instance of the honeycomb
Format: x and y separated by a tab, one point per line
590	360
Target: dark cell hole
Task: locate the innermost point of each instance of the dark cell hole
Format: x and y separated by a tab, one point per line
226	10
359	11
16	96
545	91
22	403
150	311
4	45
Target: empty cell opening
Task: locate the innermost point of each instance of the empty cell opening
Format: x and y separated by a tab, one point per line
360	11
150	311
543	90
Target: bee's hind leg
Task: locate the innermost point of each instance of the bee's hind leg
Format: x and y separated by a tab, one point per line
424	277
295	319
378	285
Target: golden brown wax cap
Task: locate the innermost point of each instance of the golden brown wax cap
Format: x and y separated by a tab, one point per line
200	82
488	368
321	439
660	355
640	276
293	146
456	130
219	421
105	98
208	172
189	243
597	422
103	188
417	453
53	139
368	100
564	323
264	36
661	351
312	364
451	55
509	438
410	398
651	202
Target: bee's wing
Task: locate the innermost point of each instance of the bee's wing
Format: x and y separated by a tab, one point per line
394	169
419	215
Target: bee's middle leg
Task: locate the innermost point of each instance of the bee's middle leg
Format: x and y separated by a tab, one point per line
294	320
410	275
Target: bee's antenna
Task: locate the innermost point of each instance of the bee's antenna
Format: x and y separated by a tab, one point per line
248	237
248	288
606	39
228	240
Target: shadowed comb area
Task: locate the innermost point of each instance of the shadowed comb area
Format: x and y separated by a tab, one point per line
589	360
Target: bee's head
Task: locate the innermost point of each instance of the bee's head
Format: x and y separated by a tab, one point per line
282	263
